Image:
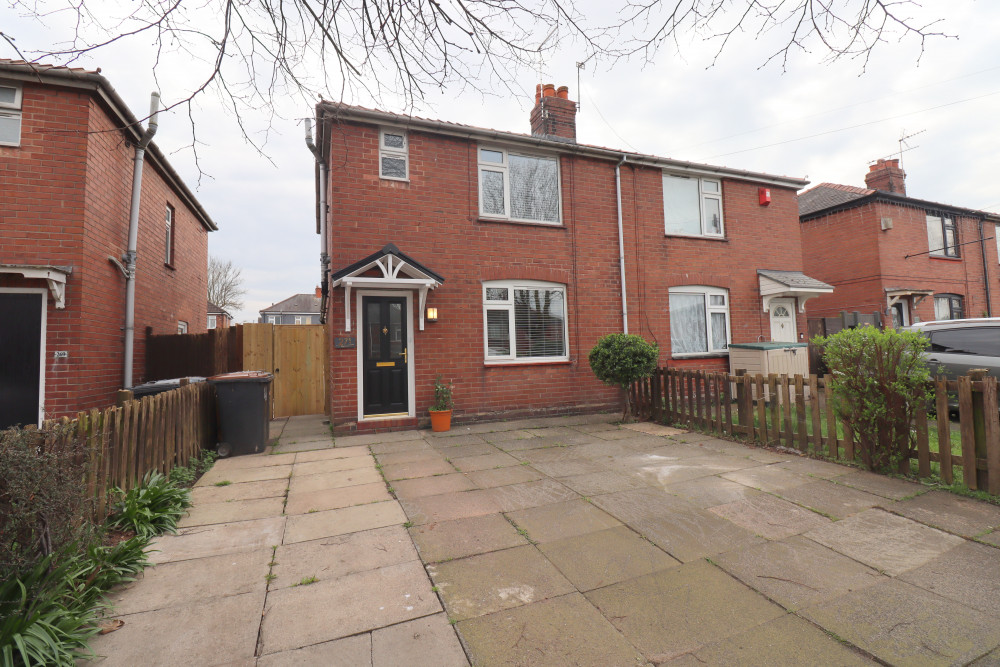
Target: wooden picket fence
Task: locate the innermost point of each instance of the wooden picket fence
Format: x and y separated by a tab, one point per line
125	442
794	412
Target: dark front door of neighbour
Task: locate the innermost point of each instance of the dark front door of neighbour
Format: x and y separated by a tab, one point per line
20	357
384	356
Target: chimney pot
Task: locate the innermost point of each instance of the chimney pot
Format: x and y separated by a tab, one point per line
886	176
554	114
549	90
563	92
319	292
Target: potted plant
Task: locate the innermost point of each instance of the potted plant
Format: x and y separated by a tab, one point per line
441	410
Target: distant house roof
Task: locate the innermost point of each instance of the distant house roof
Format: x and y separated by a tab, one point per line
831	197
127	122
215	310
305	304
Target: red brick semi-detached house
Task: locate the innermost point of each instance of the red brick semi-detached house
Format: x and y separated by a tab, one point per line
496	260
908	259
67	143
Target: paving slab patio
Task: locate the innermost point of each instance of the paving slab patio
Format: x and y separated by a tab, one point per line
447	540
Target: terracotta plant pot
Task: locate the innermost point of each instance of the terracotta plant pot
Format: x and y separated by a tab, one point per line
440	420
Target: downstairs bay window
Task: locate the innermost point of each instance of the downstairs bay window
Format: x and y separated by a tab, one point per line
699	320
524	321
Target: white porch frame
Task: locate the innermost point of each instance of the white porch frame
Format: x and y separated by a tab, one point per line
389	280
55	275
42	292
772	289
411	353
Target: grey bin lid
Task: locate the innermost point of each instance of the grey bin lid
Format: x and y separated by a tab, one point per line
241	376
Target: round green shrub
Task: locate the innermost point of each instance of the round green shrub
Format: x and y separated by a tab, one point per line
621	359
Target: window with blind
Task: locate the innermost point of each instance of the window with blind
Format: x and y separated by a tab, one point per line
518	187
699	320
525	321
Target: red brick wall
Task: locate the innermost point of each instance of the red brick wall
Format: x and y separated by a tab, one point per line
862	261
70	184
434	218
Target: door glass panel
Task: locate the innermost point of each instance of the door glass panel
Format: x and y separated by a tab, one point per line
781	311
395	330
374	330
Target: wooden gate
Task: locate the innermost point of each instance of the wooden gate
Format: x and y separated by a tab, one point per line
296	355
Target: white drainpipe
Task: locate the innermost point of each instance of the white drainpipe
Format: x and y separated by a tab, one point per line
133	235
324	255
621	242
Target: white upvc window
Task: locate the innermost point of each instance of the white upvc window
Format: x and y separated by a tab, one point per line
298	319
699	320
182	327
393	154
211	321
524	321
10	115
273	319
692	206
168	254
514	186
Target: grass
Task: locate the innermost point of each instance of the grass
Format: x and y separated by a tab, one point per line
305	581
408	524
224	482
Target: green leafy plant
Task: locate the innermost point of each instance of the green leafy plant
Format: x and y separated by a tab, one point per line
196	467
102	567
620	360
880	380
151	508
442	395
305	581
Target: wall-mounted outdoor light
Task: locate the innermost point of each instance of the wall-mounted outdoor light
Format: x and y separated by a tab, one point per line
432	314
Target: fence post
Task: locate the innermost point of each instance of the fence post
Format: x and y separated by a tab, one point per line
976	375
742	406
123	397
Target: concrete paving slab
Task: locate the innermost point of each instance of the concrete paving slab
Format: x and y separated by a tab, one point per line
450	506
306	438
332	465
770	517
465	451
768	478
787	641
204	514
186	582
605	557
710	491
770	456
331	499
561	632
329	558
890	543
353	651
688	536
456	441
253	461
595	428
489	582
186	634
880	485
677	450
665	471
245	491
432	486
653	429
305	527
550	454
530	494
379	445
951	513
331	453
502	438
617	434
834	500
569	468
797	572
641	503
275	426
347	605
680	609
411	456
284	447
604	452
597	483
223	538
334	480
991	659
514	446
692	436
991	538
488	479
425	642
817	468
558	521
968	574
425	468
447	540
240	475
485	462
905	625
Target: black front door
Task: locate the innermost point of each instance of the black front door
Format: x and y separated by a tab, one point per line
20	352
384	355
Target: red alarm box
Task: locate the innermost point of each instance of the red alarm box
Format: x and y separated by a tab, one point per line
765	196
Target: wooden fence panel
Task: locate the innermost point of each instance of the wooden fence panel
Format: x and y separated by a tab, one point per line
800	413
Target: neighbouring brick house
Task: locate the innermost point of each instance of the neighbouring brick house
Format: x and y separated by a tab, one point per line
908	259
66	161
296	309
218	318
496	260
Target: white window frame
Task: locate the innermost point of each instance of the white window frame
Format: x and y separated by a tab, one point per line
168	254
273	319
298	319
182	327
944	221
706	291
504	168
13	110
212	322
702	196
508	305
393	152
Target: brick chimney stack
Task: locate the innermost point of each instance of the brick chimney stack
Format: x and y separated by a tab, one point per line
319	292
885	175
554	114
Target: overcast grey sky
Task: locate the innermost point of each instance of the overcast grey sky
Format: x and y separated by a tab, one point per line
825	122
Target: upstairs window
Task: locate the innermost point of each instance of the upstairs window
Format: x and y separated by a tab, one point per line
518	187
525	321
948	307
942	236
274	319
211	321
10	115
699	320
393	154
692	206
168	253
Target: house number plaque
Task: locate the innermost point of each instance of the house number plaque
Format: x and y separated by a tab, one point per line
343	342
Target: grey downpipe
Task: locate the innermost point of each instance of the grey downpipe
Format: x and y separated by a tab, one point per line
986	269
133	236
324	255
621	242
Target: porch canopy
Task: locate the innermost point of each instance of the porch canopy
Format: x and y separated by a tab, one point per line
55	276
392	270
894	294
789	284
